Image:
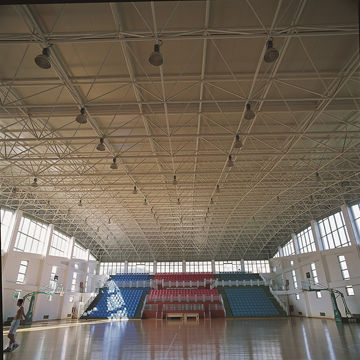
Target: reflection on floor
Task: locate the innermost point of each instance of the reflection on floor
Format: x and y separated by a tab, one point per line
294	338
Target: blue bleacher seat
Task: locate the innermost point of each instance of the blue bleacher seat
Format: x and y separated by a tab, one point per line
250	302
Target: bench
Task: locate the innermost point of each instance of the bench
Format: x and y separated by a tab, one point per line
191	315
175	315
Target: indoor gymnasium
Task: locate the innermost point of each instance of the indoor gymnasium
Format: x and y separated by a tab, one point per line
180	179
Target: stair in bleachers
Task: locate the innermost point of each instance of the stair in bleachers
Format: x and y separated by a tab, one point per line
137	314
116	302
227	307
251	301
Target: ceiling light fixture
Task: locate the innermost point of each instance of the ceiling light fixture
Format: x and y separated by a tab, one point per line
156	58
101	146
238	142
249	114
145	201
178	201
43	60
80	203
82	117
109	220
135	190
271	54
114	165
175	181
318	178
35	183
217	188
211	201
230	163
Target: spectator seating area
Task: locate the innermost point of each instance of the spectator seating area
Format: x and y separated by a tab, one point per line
251	302
116	302
186	291
122	303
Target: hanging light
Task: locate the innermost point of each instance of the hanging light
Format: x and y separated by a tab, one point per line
156	58
145	201
178	201
80	203
271	54
175	181
135	190
230	163
278	199
109	220
211	201
249	114
43	60
318	178
217	188
35	183
238	142
101	146
114	165
82	117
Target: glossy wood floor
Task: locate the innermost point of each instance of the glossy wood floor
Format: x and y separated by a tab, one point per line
294	338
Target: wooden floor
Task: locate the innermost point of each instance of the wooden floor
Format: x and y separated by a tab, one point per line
207	339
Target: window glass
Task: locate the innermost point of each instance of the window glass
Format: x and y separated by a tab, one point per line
79	252
333	232
289	249
31	236
59	244
306	241
7	217
22	271
343	267
349	290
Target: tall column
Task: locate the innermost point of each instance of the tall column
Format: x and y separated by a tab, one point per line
242	265
18	215
126	267
155	267
213	266
71	248
319	248
281	252
184	266
350	226
296	243
48	238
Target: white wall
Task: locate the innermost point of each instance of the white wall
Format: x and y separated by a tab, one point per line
329	274
38	276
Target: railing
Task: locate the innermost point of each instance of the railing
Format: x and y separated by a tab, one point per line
237	283
183	298
281	303
143	306
90	300
154	284
216	307
152	307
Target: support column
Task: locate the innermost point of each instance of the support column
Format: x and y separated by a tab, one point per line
71	248
213	266
126	267
281	252
184	266
155	267
296	243
319	247
350	226
18	215
242	265
48	238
